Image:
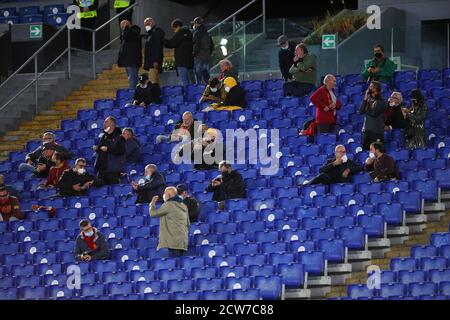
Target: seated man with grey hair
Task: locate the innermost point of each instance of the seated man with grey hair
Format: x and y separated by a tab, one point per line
183	131
227	70
32	157
174	222
152	185
337	170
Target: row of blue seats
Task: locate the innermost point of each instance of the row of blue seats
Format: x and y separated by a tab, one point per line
55	20
402	291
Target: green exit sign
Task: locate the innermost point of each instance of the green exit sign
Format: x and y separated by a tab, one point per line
329	41
36	31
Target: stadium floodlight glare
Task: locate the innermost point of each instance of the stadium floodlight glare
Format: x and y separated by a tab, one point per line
223	42
223	47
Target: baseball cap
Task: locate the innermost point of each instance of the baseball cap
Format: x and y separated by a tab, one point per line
143	77
282	40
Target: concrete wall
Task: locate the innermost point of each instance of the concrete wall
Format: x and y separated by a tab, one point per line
416	10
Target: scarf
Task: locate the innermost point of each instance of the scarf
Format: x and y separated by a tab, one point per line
90	240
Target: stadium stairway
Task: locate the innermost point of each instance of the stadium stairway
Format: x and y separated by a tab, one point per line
396	251
104	87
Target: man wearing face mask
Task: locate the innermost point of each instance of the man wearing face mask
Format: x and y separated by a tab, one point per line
111	153
337	170
154	49
382	166
214	92
130	52
228	185
146	92
153	185
9	207
373	108
91	244
77	181
174	222
235	98
286	56
381	68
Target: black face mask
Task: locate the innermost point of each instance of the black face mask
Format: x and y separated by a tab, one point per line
378	55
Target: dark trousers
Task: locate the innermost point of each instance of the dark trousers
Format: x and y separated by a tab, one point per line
325	127
369	137
108	177
83	38
297	89
322	178
174	253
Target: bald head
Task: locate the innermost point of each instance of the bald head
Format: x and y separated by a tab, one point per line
187	118
149	22
330	81
170	192
339	151
125	24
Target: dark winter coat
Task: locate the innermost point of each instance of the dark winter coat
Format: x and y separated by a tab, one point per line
130	52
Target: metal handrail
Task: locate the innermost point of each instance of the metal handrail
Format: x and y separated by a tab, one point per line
233	15
33	56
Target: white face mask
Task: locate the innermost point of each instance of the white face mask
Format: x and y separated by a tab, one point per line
107	129
89	234
81	171
148	28
227	89
165	198
213	89
372	155
344	158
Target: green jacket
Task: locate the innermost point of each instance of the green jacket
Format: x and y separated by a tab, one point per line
387	68
174	224
298	70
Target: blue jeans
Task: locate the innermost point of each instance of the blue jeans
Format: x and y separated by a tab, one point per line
183	74
201	69
133	77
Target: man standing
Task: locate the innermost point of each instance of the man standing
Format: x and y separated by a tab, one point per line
9	207
203	49
286	56
111	153
153	185
304	72
154	49
122	5
381	68
373	108
183	44
90	245
326	104
130	52
337	170
88	17
174	222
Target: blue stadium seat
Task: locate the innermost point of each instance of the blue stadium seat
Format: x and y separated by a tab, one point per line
353	237
432	263
270	287
399	264
313	261
419	251
422	288
411	276
392	289
357	291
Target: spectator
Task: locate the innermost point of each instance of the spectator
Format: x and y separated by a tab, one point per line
304	72
9	207
184	130
130	52
415	117
228	185
146	92
56	171
326	104
32	157
235	98
153	185
174	222
214	92
11	190
190	202
393	117
45	161
183	44
154	50
203	49
122	5
373	108
227	70
88	19
76	181
381	165
132	146
91	244
381	68
111	153
286	56
337	170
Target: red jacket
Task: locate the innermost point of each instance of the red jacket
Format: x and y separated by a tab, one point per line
55	174
321	99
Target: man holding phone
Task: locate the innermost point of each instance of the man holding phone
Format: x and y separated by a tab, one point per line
90	244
